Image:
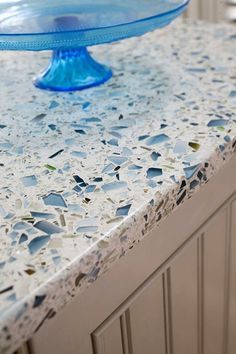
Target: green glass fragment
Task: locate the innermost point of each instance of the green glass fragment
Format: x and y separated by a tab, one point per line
50	167
194	146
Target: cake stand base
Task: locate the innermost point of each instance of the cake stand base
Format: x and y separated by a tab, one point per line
71	70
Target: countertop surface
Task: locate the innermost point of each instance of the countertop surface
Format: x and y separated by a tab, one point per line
86	175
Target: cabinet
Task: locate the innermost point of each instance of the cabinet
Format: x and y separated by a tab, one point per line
207	10
175	293
185	308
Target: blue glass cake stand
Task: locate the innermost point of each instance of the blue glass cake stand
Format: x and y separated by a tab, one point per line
67	27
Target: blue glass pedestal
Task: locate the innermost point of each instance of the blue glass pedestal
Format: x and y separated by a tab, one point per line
72	69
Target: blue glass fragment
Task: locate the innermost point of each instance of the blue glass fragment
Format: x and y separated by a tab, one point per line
227	138
66	167
180	147
90	189
86	105
6	146
77	189
119	127
21	225
53	104
84	229
56	260
52	126
173	178
154	172
78	179
108	168
127	152
11	297
157	139
55	200
222	147
29	181
98	179
13	234
2	264
143	137
113	142
196	70
47	227
190	171
114	186
70	141
80	131
117	160
163	126
75	208
19	150
123	211
152	183
9	216
38	300
91	120
232	94
217	123
23	238
38	118
116	134
21	311
155	155
80	126
79	154
36	214
194	184
37	243
134	168
3	211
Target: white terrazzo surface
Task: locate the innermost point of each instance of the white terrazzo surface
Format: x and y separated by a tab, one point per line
85	176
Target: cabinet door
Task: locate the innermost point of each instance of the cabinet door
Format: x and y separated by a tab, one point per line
139	328
187	305
146	320
214	283
203	289
183	308
109	337
183	276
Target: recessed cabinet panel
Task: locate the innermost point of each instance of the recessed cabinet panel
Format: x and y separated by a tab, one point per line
112	339
232	293
184	301
214	263
109	339
147	320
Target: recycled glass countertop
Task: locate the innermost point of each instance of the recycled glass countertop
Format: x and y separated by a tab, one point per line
84	176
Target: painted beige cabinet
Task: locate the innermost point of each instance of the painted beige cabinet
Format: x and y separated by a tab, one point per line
175	293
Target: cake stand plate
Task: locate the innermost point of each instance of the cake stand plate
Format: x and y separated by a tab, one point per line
69	27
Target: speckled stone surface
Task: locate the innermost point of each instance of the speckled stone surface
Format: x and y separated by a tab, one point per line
85	176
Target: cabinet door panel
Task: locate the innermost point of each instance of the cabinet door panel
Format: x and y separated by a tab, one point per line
147	320
214	263
184	301
108	339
